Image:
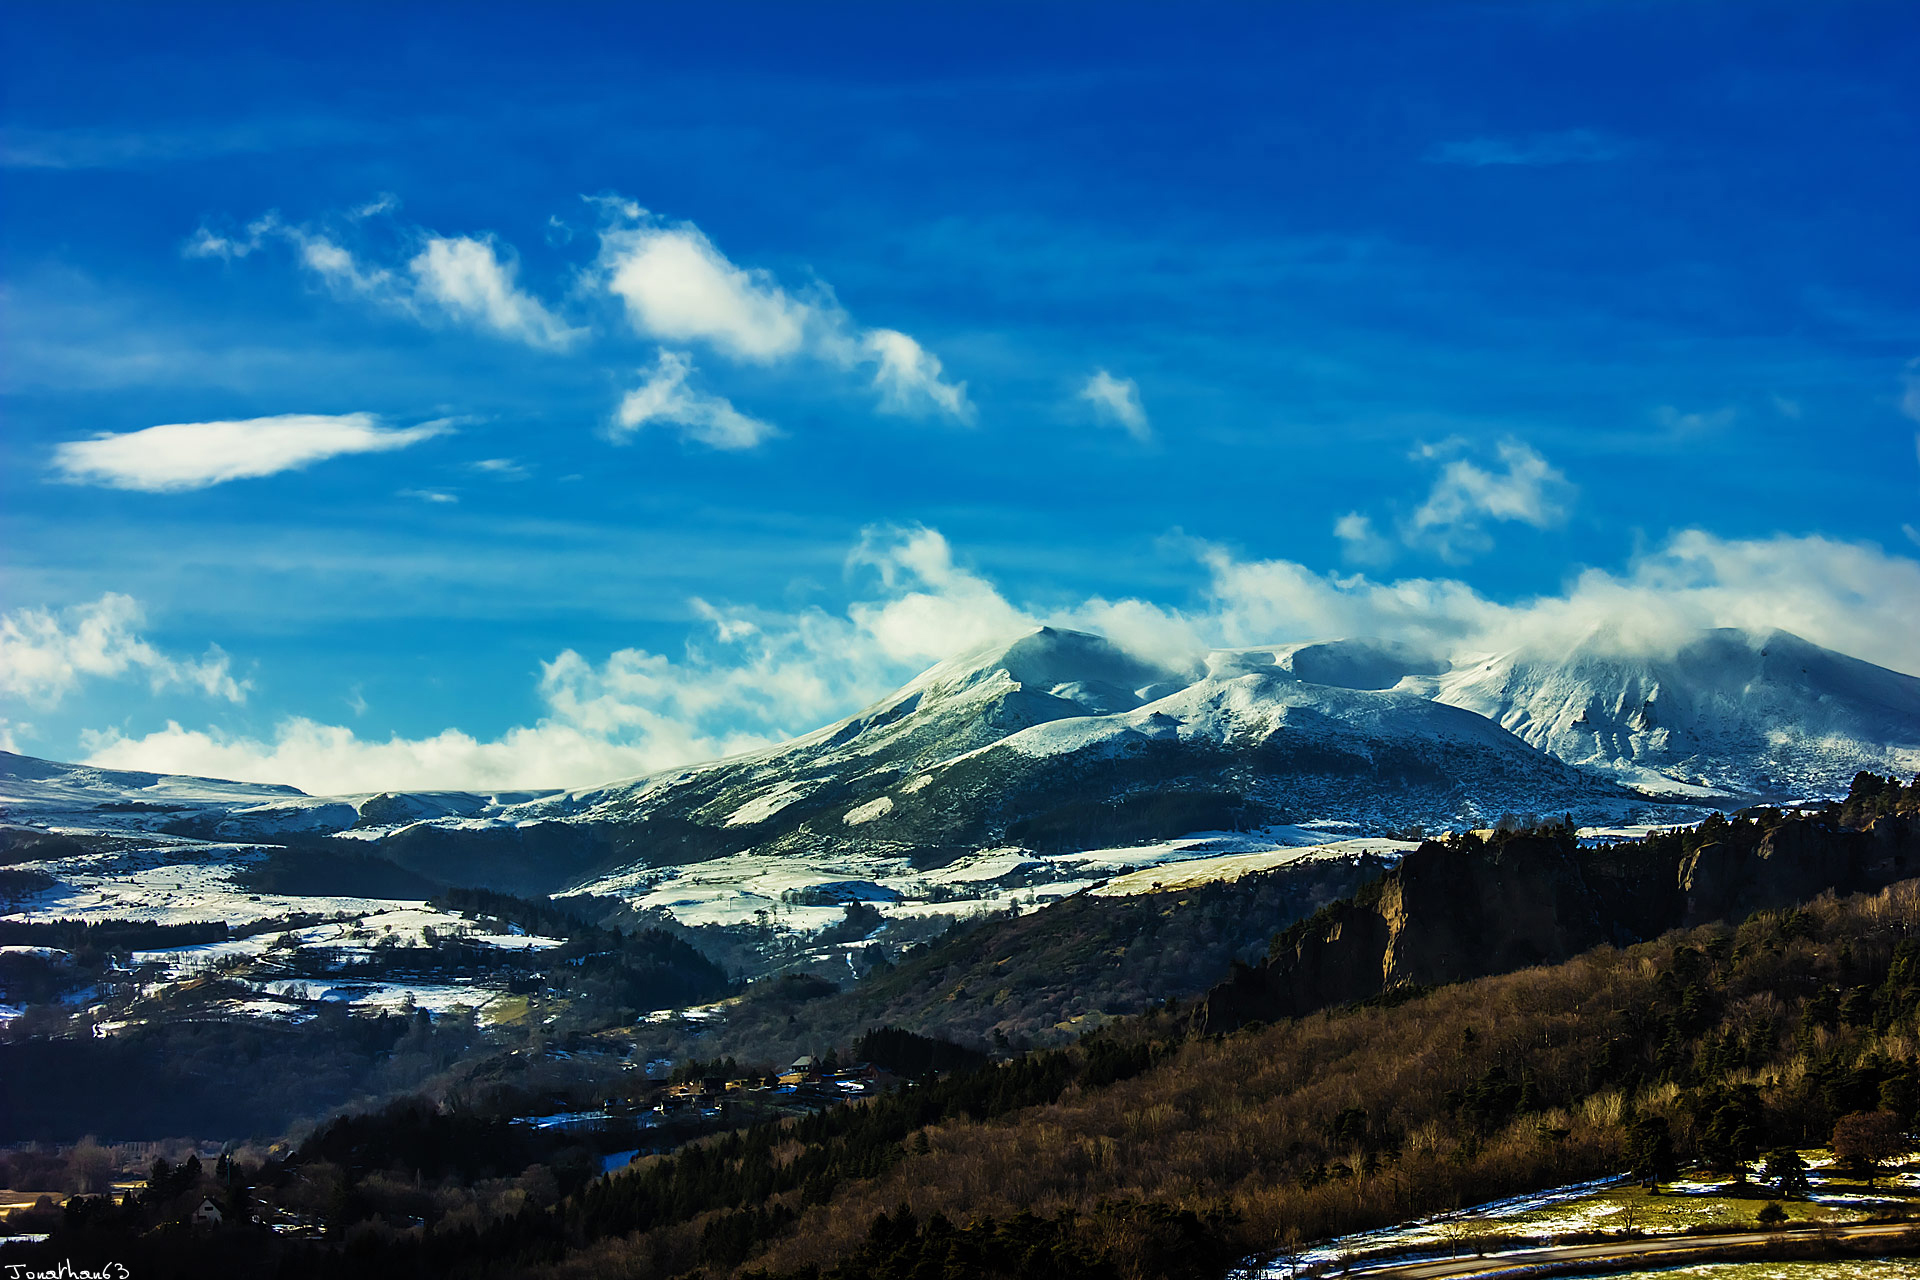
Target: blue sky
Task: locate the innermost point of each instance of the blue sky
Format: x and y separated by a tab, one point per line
562	394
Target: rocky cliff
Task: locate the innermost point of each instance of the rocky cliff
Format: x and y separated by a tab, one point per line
1475	905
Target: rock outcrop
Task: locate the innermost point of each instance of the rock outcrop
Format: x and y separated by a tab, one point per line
1469	907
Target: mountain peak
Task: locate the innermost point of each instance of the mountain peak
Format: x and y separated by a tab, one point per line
1044	659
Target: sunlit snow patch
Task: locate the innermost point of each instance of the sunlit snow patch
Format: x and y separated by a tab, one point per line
878	807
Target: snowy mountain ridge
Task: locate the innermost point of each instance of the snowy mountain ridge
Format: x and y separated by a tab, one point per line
1764	713
1060	742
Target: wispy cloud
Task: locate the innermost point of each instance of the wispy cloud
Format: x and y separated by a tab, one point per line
464	279
468	279
23	148
441	496
1515	485
1522	487
180	456
673	283
667	398
45	654
1117	401
1360	542
1702	421
501	468
677	286
910	378
1571	146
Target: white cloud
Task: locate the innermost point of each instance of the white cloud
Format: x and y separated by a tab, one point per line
750	677
45	655
934	607
193	455
337	266
325	759
1853	597
1117	400
907	376
464	279
678	287
1572	146
429	495
1360	542
1525	488
673	282
468	280
666	398
205	243
385	202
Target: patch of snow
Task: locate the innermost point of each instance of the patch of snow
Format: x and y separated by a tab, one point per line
879	807
1188	873
766	804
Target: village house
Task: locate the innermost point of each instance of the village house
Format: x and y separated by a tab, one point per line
803	1071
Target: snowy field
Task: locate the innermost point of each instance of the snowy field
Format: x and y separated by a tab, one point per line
169	880
1611	1205
173	881
750	889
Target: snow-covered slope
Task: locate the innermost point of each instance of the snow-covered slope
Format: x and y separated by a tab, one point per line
32	788
46	793
1061	740
1757	713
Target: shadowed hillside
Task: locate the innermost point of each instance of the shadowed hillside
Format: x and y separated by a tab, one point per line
1472	905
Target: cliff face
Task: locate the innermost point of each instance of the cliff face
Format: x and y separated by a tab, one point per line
1469	908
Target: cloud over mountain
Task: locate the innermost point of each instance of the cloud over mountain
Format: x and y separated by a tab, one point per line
748	676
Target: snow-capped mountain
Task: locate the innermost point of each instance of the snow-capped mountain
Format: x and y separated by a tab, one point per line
1060	742
1764	714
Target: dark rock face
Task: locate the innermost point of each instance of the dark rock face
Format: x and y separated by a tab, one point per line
1470	908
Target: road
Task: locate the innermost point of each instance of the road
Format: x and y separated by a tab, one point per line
1655	1250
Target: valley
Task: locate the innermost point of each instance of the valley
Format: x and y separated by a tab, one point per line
1119	960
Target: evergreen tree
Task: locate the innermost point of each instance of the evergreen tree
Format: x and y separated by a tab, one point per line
1651	1148
1786	1170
